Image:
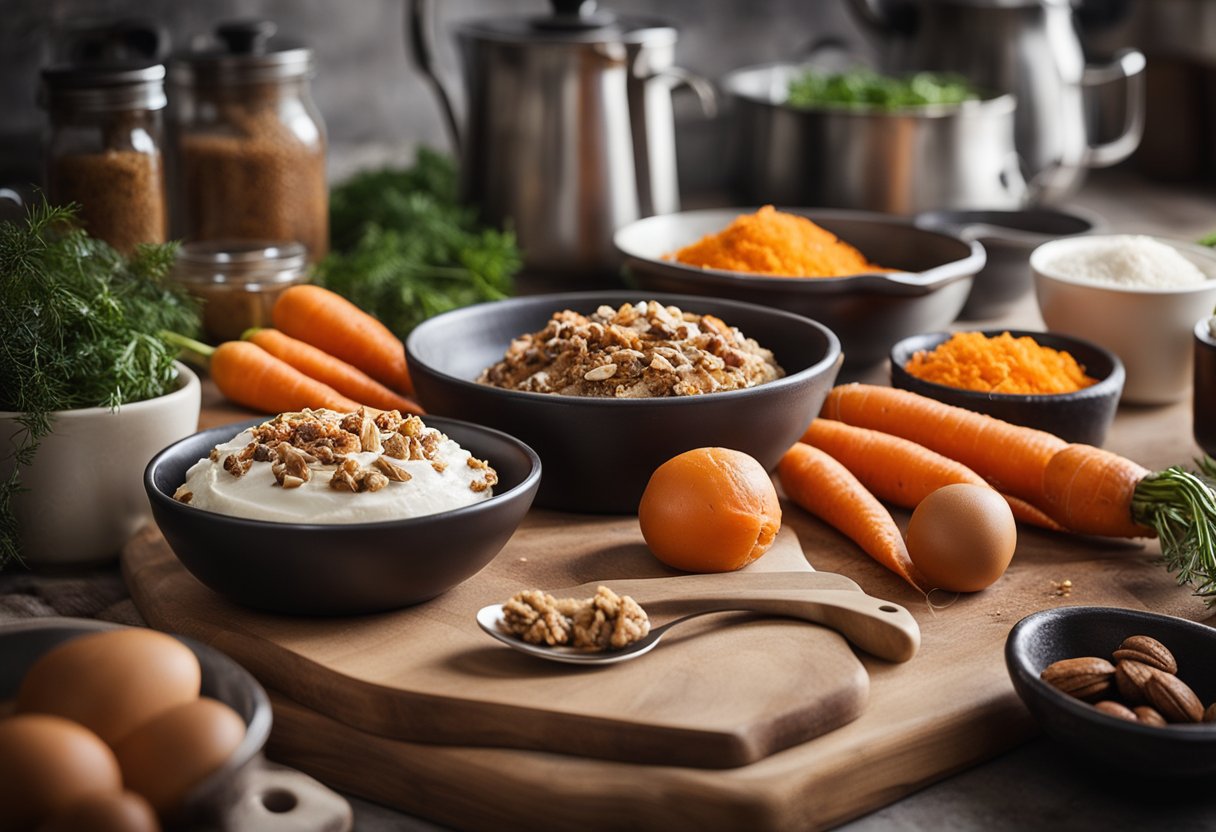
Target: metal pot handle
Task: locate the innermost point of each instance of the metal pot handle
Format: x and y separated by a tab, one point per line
420	35
1127	67
699	85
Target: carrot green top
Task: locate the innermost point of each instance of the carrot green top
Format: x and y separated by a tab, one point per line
1001	364
771	242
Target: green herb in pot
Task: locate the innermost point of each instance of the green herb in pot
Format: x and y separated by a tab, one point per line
81	328
866	88
404	248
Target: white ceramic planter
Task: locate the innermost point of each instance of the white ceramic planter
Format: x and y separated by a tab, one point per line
1149	329
85	494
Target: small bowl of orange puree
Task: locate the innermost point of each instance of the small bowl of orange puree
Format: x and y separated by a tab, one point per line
1056	383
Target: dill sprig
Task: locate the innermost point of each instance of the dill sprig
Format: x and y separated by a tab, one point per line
405	248
80	326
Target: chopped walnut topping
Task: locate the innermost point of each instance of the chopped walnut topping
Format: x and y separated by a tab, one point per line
606	622
182	495
396	447
439	467
290	466
489	481
236	466
394	472
639	350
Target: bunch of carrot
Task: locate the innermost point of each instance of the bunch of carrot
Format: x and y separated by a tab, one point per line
878	442
324	352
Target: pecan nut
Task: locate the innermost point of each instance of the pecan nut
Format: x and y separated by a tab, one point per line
1147	651
1131	678
1209	715
1083	678
1173	698
1115	709
1149	716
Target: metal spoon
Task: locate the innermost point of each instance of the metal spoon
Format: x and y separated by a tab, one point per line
879	627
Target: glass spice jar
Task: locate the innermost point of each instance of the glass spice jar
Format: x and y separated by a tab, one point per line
249	144
103	149
238	281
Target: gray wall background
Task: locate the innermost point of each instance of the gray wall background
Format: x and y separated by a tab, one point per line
375	104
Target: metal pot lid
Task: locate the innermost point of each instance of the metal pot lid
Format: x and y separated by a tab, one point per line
244	51
571	21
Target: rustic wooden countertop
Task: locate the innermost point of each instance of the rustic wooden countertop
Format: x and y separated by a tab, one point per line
1034	786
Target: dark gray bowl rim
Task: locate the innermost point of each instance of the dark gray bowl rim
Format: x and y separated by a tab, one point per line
685	302
962	221
1197	733
226	432
257	732
988	99
1203	331
1104	386
932	278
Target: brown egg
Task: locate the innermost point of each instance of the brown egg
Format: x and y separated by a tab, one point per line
109	812
961	537
167	756
112	681
46	764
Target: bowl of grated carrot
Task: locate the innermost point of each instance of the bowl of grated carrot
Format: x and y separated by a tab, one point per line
871	278
1042	380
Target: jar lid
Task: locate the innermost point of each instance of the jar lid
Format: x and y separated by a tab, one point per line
240	261
244	52
104	88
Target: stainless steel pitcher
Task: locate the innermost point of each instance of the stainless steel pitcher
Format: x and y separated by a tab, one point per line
1031	49
570	131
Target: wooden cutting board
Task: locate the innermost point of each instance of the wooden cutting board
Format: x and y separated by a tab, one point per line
721	691
950	707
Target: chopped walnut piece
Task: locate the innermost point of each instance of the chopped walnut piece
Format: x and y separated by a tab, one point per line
182	495
369	437
533	616
439	467
236	466
411	426
344	478
396	447
290	466
606	622
394	472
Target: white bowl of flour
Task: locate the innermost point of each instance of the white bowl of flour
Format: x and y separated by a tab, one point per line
1137	296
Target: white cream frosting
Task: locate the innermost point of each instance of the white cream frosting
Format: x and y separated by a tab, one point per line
257	495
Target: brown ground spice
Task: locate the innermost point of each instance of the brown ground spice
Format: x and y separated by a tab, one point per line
120	192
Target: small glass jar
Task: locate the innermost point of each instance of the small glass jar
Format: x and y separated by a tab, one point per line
249	144
103	149
238	281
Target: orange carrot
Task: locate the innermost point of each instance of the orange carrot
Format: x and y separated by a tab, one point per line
1090	491
1029	513
346	379
899	471
1010	457
825	488
333	324
250	376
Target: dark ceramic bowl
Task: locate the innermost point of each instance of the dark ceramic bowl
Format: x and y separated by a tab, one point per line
1069	632
1084	416
868	312
599	453
1205	388
342	569
23	643
1008	237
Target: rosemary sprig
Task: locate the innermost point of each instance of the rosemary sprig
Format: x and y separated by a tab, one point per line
1181	507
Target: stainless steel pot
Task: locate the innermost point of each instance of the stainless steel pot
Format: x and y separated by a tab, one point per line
1029	48
570	132
902	162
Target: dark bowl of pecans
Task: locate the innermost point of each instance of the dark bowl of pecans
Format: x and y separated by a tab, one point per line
1130	690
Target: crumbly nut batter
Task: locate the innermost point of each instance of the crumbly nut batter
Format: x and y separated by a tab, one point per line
638	351
606	622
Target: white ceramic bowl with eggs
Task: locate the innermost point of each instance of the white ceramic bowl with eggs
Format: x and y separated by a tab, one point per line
84	494
1148	327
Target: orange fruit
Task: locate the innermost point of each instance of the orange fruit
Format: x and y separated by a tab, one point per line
709	510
